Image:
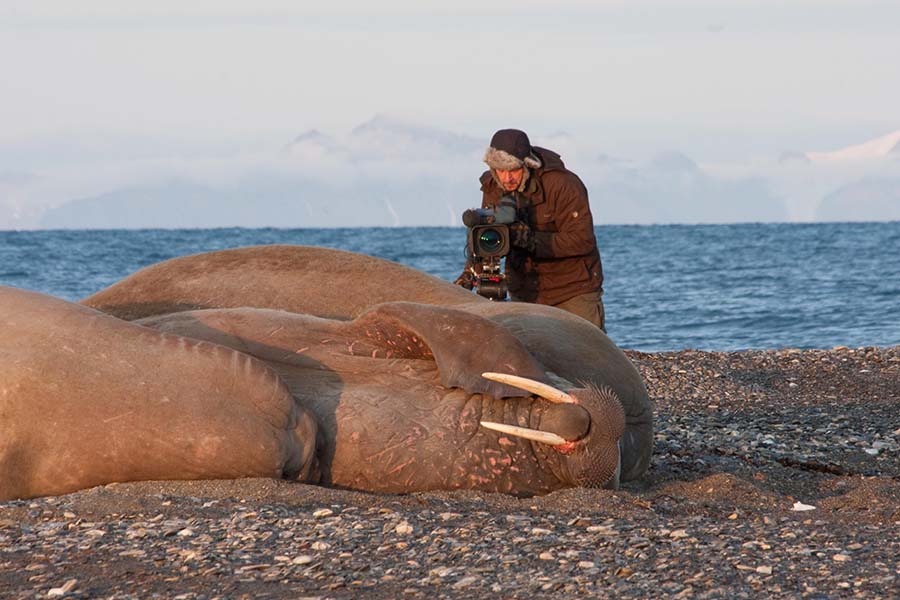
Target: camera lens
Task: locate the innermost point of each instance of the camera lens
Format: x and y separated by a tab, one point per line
490	240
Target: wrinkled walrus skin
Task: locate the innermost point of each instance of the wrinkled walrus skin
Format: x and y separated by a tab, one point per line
335	284
342	285
398	400
88	399
365	374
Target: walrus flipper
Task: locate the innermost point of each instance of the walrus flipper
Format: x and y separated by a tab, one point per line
462	344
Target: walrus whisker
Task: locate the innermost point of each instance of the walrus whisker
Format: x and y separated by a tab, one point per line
547	392
545	437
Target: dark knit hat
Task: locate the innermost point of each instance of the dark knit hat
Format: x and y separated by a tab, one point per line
511	149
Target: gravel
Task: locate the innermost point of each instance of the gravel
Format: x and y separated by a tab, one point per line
775	475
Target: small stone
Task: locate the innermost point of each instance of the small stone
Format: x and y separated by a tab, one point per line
546	556
320	546
800	507
403	528
186	532
585	564
465	581
64	589
764	570
872	451
678	533
95	533
540	531
840	558
323	512
602	530
303	559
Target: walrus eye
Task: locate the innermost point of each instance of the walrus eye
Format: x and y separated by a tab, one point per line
545	437
547	392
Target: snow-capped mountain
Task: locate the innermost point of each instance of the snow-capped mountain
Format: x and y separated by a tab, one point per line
879	147
391	172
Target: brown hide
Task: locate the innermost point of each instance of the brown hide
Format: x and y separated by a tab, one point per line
575	350
87	399
389	419
402	339
342	285
302	279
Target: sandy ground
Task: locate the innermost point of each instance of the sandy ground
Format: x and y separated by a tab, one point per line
776	475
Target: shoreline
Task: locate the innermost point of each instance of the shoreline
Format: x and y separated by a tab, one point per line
776	473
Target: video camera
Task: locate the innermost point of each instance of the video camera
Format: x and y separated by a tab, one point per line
488	242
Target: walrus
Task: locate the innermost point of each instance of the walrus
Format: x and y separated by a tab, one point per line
409	396
447	391
88	399
341	285
324	282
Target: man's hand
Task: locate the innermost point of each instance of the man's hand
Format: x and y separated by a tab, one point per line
521	236
466	279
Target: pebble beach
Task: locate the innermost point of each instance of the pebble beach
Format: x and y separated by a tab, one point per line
776	474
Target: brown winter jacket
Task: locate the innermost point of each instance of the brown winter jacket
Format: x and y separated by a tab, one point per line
565	262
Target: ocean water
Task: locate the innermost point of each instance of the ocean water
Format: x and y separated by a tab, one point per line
667	287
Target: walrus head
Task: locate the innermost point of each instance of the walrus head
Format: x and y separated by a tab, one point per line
581	428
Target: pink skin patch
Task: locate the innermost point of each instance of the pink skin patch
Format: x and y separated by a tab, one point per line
567	448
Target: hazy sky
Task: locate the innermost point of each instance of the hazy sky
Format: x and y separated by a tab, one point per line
711	78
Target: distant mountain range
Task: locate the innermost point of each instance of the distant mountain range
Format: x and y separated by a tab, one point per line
389	172
884	146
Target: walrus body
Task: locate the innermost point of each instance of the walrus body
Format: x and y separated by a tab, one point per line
398	393
335	284
87	399
341	285
268	352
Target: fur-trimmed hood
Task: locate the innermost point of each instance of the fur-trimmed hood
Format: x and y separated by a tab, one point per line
548	160
503	160
510	149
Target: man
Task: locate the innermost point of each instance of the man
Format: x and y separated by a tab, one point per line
554	258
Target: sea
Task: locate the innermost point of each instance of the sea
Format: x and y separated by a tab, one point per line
666	288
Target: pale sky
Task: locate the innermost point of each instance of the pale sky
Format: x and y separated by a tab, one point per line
706	77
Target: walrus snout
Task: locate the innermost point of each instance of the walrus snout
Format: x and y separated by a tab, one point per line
569	421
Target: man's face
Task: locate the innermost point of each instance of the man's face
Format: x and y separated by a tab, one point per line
510	180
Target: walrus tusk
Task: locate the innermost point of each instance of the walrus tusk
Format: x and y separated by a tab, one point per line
548	392
545	437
